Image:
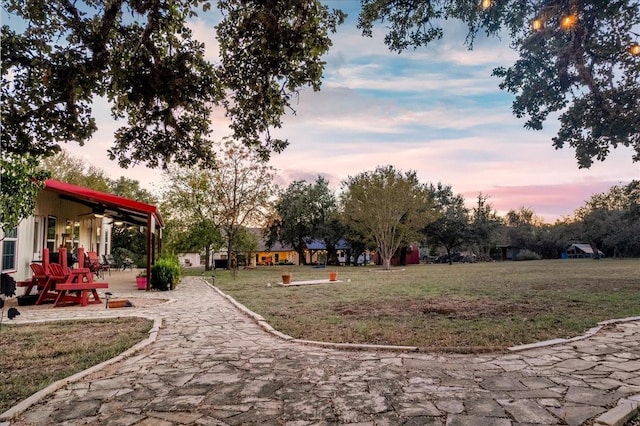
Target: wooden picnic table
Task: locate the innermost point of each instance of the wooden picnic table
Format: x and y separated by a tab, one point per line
80	281
64	285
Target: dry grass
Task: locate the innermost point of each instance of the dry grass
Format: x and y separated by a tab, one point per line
462	307
36	355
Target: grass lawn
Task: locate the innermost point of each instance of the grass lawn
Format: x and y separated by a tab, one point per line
461	307
36	355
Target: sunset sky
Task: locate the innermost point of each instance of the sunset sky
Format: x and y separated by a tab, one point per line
435	110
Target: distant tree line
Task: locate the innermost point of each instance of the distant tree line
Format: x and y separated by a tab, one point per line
386	209
382	210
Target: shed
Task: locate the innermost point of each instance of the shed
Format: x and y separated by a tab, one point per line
581	251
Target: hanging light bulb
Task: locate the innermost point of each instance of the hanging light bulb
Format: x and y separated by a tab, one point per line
536	24
635	49
486	4
568	21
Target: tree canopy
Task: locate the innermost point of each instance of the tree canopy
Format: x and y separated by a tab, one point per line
451	226
578	59
234	195
305	211
389	205
20	178
612	219
58	56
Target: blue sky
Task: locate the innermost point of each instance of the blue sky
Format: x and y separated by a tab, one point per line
436	110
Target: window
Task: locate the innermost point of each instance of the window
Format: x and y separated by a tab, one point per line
51	233
10	250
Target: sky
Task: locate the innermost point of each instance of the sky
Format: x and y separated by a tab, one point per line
436	110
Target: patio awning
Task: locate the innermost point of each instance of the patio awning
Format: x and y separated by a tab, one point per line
118	208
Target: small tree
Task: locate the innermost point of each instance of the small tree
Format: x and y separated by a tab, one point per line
451	227
292	220
484	226
234	195
241	185
20	180
388	205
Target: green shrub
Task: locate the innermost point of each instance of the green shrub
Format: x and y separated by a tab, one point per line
527	255
165	274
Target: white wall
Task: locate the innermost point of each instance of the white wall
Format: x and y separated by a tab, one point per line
193	258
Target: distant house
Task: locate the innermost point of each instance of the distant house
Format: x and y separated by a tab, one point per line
316	246
509	252
189	259
262	255
581	251
276	254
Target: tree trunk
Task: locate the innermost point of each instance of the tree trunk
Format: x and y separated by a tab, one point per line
449	255
300	251
386	263
207	258
332	256
230	239
403	256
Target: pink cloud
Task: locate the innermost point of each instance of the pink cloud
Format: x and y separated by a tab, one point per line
550	202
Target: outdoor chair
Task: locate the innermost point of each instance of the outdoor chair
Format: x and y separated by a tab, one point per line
127	263
108	262
111	261
94	264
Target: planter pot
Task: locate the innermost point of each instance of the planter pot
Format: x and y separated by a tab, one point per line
333	276
141	282
286	279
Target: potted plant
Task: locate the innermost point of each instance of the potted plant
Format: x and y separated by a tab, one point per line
286	278
141	280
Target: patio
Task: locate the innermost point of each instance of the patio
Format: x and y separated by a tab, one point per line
122	286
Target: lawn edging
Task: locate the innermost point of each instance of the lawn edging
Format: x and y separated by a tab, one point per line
589	333
23	405
259	319
621	413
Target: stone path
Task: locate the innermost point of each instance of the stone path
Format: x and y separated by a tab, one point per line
212	365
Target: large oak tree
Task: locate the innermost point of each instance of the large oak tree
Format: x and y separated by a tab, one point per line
303	212
578	58
58	56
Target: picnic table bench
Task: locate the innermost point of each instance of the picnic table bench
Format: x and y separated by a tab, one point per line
83	289
74	285
29	284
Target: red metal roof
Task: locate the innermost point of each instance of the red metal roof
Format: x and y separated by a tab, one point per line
120	204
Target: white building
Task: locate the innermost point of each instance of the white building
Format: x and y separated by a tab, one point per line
72	216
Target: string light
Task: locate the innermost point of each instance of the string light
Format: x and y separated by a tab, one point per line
486	4
568	21
536	24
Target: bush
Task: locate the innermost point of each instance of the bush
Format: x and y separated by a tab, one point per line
165	274
527	255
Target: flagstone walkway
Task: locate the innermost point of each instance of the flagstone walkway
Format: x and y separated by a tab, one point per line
213	365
